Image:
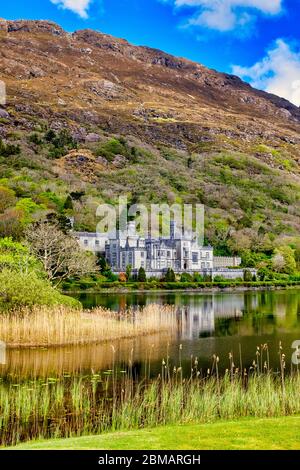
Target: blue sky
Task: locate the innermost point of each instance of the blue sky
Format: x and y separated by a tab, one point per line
256	39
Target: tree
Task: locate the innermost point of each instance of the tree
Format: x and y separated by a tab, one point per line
68	205
11	224
59	253
128	272
170	275
283	260
241	240
122	277
29	208
142	275
64	223
297	255
103	264
16	257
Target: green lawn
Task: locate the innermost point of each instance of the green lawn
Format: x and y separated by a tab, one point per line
248	433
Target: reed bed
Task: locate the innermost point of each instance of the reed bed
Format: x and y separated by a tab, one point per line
48	327
115	400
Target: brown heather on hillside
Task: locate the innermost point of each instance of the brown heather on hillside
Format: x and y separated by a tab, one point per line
92	78
201	135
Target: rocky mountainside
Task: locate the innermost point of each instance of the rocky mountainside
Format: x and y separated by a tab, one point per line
197	134
92	78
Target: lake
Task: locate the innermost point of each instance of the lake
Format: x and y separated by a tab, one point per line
209	323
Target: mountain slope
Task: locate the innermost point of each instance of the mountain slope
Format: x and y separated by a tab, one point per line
192	134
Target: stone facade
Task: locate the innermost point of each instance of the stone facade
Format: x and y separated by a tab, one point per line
227	261
94	242
157	255
182	254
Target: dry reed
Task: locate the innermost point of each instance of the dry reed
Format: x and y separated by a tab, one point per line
61	326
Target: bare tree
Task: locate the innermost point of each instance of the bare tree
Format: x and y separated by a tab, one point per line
59	253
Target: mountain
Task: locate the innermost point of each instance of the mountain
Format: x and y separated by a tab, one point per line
135	120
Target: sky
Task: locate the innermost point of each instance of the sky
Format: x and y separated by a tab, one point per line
259	40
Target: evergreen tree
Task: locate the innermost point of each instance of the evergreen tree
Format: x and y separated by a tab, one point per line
142	275
128	272
68	205
170	276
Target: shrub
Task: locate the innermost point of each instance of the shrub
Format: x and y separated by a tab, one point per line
7	198
170	276
186	277
35	139
220	279
27	289
60	143
247	275
114	147
6	150
198	278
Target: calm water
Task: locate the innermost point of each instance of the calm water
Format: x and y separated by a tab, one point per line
212	324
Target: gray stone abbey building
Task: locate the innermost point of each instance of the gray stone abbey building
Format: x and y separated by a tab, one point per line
181	253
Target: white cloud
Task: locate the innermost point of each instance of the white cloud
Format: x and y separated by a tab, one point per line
79	7
278	72
226	15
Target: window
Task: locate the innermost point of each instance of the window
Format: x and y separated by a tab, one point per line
207	254
86	242
168	254
202	265
142	254
97	243
195	257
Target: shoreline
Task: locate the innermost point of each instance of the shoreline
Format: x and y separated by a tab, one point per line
22	346
213	289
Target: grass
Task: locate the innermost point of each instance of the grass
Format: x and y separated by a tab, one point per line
244	434
60	326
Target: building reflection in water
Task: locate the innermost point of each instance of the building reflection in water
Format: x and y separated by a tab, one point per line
198	318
